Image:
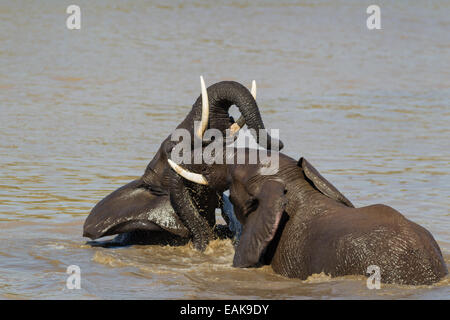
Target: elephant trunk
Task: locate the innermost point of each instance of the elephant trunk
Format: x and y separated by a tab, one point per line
222	96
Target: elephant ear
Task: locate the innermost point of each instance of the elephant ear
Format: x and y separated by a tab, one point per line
261	224
322	184
132	207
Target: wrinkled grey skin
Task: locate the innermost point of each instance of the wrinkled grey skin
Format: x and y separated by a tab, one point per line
301	224
145	205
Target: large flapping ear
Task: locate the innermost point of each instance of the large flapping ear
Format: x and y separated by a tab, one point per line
322	184
261	224
132	207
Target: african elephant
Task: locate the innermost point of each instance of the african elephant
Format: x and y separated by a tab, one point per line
300	224
146	204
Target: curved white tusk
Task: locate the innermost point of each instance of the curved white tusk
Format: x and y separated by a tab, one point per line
205	109
191	176
253	90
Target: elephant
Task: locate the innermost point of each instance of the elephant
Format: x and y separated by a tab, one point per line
146	205
299	223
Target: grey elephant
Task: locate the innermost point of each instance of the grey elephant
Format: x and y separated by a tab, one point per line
300	224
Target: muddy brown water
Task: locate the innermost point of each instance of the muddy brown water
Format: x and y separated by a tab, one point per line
83	112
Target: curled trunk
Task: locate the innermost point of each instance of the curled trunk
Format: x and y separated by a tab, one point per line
222	96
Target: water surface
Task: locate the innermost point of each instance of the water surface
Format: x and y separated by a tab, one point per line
83	112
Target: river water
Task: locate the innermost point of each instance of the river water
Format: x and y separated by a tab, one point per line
83	112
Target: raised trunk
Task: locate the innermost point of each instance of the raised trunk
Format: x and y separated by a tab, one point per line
222	96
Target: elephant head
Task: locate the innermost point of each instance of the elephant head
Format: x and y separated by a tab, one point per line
146	203
258	211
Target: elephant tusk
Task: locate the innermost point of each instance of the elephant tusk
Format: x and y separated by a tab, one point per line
191	176
205	109
253	90
235	127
